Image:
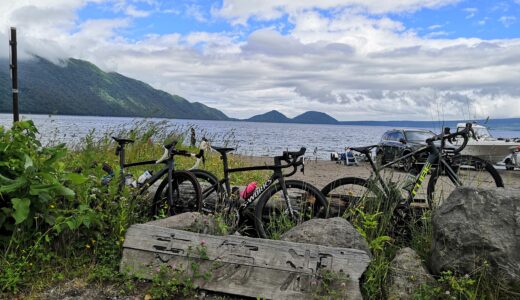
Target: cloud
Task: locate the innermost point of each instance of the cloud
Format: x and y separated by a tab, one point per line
507	20
132	11
346	62
435	26
471	11
239	12
483	21
195	11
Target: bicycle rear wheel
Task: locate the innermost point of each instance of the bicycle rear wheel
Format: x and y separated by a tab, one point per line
272	217
211	190
187	195
215	200
345	194
471	171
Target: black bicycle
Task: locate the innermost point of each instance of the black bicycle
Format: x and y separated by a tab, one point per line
445	166
178	192
281	203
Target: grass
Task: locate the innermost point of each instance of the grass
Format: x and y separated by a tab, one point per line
82	235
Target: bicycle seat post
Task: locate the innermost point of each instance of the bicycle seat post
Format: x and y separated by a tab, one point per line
226	171
121	150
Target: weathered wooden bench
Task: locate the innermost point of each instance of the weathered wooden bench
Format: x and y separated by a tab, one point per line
245	266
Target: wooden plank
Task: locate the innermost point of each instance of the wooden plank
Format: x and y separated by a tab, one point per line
242	265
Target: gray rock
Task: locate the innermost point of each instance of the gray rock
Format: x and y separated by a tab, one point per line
189	221
334	232
474	226
407	274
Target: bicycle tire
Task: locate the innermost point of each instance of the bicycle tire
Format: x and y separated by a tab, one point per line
211	190
181	202
344	194
478	172
312	195
215	201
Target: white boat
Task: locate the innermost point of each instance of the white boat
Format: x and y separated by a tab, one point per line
485	146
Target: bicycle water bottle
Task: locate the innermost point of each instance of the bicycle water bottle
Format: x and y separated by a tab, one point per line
144	177
248	191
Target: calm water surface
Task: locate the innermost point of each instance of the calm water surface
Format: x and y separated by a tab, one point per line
262	139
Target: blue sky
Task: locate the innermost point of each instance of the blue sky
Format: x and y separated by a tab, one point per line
469	19
353	59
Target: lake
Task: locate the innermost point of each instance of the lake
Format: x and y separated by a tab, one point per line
259	139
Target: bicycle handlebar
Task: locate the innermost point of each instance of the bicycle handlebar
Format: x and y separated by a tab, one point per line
446	135
288	154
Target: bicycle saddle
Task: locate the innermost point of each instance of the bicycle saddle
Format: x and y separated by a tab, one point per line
364	150
222	150
121	141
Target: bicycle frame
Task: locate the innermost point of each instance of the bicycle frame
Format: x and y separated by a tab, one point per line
276	176
170	166
434	158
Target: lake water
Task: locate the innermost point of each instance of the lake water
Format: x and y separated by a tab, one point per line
261	139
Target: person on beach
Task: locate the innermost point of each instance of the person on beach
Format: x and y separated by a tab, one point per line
193	140
350	158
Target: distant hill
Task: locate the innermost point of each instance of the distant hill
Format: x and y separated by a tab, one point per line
310	117
272	116
80	88
314	117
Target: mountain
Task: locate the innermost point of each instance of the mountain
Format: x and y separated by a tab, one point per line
273	116
310	117
314	117
80	88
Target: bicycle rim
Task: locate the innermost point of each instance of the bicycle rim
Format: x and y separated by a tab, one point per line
272	215
346	194
471	171
186	192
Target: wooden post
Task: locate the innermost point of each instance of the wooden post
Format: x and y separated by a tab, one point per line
14	73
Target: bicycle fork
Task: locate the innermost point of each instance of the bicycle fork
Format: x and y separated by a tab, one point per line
286	197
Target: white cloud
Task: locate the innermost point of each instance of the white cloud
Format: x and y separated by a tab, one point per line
483	21
471	11
195	11
346	63
240	11
132	11
507	20
435	26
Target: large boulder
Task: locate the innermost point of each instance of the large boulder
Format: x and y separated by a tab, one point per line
190	221
476	226
334	232
407	274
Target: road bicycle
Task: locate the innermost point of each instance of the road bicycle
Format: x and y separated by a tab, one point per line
280	203
179	191
445	167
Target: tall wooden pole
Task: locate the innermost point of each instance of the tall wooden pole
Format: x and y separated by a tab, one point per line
14	73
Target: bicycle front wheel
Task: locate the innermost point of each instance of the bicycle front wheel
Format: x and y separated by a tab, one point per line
272	214
470	170
211	190
345	194
186	195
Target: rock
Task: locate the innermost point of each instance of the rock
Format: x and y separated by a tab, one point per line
407	274
474	226
189	221
334	232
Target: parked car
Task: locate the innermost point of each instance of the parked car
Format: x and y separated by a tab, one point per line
396	143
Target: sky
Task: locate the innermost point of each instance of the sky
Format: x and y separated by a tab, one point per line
352	59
